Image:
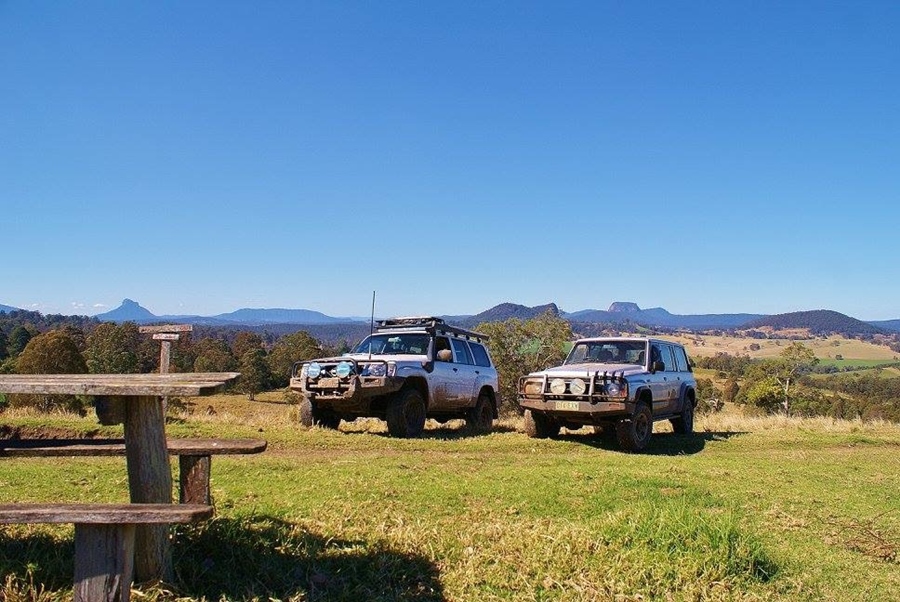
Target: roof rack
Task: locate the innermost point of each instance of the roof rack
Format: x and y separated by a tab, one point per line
429	323
410	321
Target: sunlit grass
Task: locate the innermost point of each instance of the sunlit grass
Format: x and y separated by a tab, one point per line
750	508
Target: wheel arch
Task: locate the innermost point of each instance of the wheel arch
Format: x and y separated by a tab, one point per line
492	395
421	385
645	395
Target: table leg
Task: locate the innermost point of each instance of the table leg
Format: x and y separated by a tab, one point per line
150	481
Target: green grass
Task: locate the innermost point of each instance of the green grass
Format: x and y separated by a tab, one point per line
747	509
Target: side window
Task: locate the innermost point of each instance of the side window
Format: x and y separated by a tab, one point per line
662	353
442	344
480	354
655	355
681	360
461	351
668	358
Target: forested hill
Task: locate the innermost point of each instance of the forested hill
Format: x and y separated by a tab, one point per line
818	322
506	311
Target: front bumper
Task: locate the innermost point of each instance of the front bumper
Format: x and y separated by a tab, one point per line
351	395
584	412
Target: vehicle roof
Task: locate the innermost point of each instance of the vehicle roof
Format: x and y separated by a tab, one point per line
640	339
429	324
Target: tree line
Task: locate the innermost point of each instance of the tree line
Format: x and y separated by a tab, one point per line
787	384
108	348
36	344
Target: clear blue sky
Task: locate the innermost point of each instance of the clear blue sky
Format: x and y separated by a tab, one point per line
201	157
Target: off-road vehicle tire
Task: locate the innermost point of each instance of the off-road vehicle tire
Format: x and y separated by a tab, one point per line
605	431
539	426
633	434
406	414
481	417
310	416
684	423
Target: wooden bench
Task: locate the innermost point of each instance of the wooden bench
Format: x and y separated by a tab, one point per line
194	456
104	539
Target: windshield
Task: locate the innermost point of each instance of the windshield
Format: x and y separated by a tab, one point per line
607	352
394	344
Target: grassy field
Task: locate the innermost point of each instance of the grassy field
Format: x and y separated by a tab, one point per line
746	509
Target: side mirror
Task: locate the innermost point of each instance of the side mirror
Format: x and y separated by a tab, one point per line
658	367
445	355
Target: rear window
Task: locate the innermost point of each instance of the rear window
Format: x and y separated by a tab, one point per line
463	355
480	354
681	360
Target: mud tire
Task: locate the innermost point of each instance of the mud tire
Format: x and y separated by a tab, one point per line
406	414
481	418
684	423
634	434
605	431
312	416
539	426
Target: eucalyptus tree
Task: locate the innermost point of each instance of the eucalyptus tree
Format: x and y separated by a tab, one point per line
52	352
519	347
114	349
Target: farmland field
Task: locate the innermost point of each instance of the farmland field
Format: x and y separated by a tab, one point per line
825	348
747	509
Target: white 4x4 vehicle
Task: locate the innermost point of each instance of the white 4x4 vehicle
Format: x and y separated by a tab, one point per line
407	370
621	384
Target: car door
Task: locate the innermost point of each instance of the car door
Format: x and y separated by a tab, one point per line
684	375
466	373
443	385
671	379
663	383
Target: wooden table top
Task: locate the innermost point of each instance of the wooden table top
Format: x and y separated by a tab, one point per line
130	385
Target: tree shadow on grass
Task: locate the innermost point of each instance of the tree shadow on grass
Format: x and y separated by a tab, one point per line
661	444
251	558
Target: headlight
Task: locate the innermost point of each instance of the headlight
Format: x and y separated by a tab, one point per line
373	370
577	386
343	369
314	370
557	386
614	389
533	387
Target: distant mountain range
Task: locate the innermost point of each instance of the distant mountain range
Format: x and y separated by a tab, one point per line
131	311
619	313
6	309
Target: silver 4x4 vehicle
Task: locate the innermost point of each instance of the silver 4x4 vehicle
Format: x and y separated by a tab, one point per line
407	370
615	384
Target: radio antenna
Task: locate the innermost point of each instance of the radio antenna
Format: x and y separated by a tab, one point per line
372	325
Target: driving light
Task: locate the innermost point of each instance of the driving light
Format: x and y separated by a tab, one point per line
343	369
557	386
577	387
314	370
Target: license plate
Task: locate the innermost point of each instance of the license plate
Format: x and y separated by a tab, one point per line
567	405
327	383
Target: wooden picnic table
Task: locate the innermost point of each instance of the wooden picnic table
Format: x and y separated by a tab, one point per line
147	458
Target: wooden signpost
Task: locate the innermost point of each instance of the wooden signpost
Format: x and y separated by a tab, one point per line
165	334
